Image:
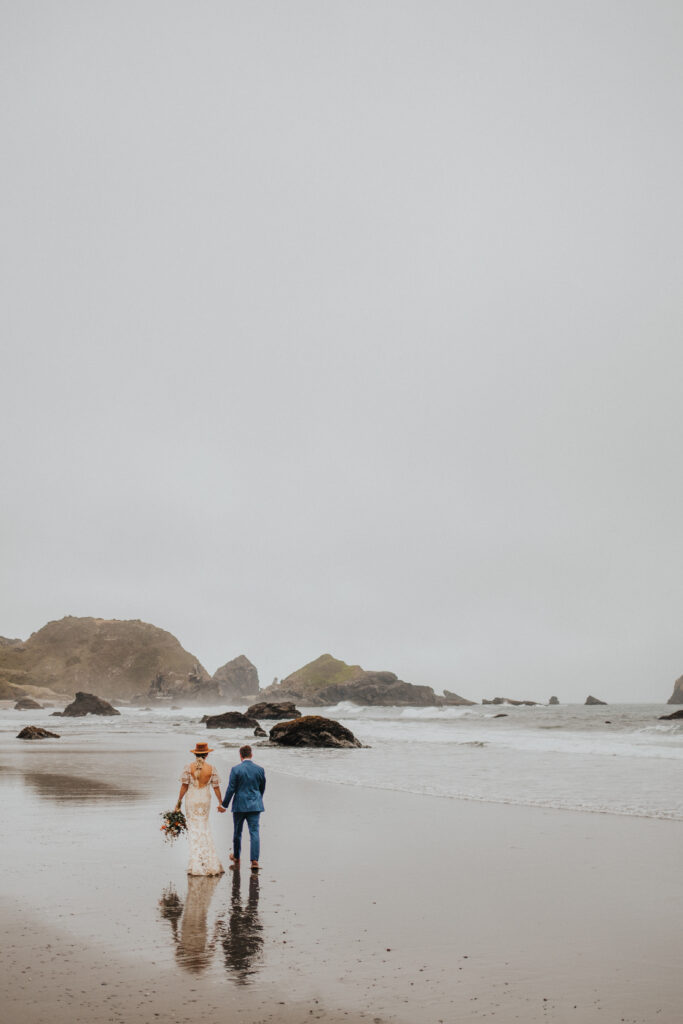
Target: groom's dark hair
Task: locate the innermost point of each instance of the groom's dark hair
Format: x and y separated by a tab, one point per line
245	751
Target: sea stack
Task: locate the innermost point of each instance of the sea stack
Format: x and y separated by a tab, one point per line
677	696
237	680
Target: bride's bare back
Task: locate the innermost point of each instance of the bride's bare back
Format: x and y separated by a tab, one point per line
202	775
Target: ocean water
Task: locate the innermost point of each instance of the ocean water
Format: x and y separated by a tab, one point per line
617	759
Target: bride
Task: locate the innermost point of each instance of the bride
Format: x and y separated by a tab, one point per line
196	781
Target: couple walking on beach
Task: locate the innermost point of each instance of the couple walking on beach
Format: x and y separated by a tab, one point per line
246	787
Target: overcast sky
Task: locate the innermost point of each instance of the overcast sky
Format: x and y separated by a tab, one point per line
350	327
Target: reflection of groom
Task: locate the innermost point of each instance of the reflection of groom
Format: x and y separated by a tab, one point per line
242	940
247	784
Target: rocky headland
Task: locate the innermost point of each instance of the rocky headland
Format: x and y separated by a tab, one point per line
328	680
378	689
116	657
307	682
131	660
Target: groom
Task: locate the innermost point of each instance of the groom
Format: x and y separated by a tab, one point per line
247	785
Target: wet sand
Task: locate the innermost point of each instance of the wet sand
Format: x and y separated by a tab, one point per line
371	905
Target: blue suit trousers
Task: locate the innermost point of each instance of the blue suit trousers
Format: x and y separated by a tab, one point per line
252	820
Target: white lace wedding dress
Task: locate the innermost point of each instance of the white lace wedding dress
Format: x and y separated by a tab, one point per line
203	857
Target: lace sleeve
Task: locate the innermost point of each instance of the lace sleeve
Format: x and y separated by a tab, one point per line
185	778
214	780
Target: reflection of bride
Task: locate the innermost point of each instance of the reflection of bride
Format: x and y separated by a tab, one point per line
194	950
197	781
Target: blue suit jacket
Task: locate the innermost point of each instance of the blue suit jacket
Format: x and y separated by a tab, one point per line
247	784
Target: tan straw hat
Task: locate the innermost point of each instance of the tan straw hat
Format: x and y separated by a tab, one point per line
202	748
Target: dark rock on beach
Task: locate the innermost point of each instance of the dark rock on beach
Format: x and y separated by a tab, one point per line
501	714
313	731
26	704
672	716
283	710
553	701
34	732
86	704
230	720
594	701
258	731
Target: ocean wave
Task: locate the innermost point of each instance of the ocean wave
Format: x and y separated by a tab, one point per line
604	801
435	714
345	708
672	729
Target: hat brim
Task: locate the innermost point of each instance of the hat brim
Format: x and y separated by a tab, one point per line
208	751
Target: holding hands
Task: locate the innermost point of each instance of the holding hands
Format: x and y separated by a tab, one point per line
221	809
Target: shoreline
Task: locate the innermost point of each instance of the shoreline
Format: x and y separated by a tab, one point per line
628	766
371	904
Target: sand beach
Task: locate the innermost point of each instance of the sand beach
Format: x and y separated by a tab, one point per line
371	905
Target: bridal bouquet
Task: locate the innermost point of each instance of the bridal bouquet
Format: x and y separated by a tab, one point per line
174	825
